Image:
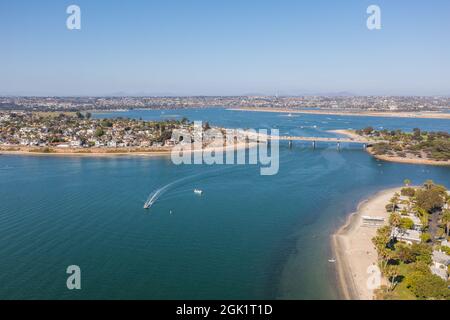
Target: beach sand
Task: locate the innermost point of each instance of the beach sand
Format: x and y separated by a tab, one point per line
355	253
112	152
417	115
348	133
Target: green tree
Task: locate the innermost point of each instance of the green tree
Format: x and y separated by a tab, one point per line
106	123
79	115
394	201
404	253
392	273
427	286
425	237
446	220
431	198
409	192
381	241
99	132
422	252
407	182
406	224
395	220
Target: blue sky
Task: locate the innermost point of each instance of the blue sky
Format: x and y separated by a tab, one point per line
224	47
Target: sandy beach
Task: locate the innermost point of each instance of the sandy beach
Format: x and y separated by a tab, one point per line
348	133
418	115
409	160
114	152
352	245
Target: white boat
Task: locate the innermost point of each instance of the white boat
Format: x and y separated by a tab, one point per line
198	192
332	261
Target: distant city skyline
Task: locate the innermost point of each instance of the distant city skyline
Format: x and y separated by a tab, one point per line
224	48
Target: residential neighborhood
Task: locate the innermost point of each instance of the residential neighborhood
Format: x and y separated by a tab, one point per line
414	249
80	131
338	101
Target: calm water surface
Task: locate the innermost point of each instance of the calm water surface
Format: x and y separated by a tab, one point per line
248	237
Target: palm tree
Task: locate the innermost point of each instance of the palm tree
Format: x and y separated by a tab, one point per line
395	219
446	220
394	201
407	182
392	272
381	241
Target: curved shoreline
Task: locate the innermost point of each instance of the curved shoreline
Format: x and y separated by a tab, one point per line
86	154
352	246
428	162
163	152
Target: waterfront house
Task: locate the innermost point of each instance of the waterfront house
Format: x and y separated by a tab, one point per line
418	226
407	236
372	221
75	143
112	144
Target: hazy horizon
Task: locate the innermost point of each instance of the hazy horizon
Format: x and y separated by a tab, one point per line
232	48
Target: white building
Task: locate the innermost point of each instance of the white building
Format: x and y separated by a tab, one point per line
75	143
408	236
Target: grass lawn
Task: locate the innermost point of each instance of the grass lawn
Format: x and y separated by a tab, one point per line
401	292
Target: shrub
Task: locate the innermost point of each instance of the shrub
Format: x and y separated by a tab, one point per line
427	286
409	192
425	237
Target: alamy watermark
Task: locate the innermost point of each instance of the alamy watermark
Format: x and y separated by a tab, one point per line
74	280
73	21
215	146
374	20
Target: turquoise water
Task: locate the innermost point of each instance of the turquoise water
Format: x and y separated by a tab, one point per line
248	237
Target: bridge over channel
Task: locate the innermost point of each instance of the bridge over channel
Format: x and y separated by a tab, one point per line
313	140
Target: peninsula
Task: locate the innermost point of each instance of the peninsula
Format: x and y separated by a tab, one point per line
417	147
78	134
350	112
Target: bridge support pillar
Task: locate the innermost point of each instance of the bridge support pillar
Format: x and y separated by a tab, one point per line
339	146
314	144
290	144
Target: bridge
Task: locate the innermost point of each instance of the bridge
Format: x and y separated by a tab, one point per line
319	139
313	140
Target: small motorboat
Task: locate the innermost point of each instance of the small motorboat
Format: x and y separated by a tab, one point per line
332	261
198	192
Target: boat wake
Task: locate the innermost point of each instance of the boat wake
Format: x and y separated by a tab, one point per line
154	196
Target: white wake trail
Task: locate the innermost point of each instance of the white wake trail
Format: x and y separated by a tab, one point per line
154	196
